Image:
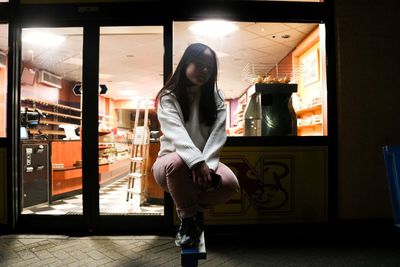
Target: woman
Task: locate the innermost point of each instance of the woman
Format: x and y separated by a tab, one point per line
192	115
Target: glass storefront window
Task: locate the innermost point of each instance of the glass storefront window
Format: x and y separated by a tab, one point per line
273	75
51	148
3	78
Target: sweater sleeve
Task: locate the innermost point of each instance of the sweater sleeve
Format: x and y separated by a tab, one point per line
174	130
217	137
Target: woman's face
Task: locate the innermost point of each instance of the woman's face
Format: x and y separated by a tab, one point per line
200	69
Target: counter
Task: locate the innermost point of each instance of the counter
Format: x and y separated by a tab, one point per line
283	180
68	178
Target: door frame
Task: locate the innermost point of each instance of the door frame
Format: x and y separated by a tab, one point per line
90	221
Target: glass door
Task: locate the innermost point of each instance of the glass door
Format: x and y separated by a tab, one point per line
130	76
84	93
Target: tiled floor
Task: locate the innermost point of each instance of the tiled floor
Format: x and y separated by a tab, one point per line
112	201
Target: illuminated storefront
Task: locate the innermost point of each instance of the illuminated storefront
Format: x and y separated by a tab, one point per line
282	161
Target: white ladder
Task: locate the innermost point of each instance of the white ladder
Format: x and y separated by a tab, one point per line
139	156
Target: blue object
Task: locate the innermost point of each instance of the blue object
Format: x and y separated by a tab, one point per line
190	256
392	162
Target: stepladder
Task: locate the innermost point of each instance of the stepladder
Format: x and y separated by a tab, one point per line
139	157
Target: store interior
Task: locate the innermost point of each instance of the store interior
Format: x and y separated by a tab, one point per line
257	62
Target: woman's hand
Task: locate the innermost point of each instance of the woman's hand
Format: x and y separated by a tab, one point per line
201	175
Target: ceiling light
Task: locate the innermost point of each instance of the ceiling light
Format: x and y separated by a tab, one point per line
43	38
213	28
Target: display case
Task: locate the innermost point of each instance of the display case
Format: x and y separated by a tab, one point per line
310	120
238	122
66	157
113	145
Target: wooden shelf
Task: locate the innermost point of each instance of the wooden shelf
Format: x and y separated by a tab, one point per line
308	109
60	114
52	132
106	145
104	132
309	125
50	104
48	112
43	121
56	115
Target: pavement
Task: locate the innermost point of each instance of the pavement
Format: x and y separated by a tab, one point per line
268	248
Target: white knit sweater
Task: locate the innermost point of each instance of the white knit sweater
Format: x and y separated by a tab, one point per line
176	136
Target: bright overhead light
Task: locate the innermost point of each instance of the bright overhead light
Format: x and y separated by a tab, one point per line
43	38
213	28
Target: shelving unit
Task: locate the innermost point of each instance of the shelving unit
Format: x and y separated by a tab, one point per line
106	119
56	115
48	132
309	120
317	107
238	120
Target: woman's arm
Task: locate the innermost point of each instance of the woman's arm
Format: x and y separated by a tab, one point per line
217	137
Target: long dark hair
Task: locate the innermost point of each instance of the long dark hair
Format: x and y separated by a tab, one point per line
178	84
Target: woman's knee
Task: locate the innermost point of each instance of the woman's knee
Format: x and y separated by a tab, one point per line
159	176
231	184
175	165
230	181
